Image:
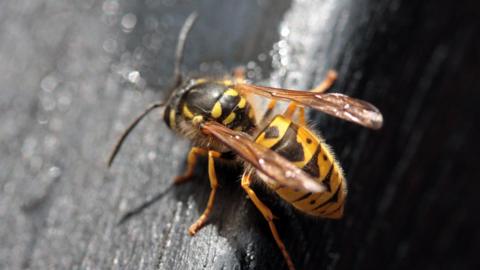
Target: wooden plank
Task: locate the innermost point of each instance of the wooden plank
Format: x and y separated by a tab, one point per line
70	86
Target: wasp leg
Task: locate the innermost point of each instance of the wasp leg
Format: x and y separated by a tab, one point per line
267	214
327	82
292	107
322	87
301	116
191	162
213	184
266	115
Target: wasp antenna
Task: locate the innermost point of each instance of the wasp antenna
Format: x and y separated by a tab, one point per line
119	143
182	37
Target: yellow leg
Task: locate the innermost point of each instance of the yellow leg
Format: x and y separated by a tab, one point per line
327	83
290	110
322	87
267	214
301	116
191	162
271	105
213	184
292	107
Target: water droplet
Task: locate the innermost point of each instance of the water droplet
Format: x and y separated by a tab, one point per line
262	57
49	83
151	23
134	76
284	31
28	147
48	103
50	143
54	172
36	162
110	7
128	22
64	101
110	45
152	155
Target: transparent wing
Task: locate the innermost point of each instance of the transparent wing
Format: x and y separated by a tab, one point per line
266	161
335	104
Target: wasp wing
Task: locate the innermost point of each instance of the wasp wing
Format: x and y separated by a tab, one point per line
338	105
266	161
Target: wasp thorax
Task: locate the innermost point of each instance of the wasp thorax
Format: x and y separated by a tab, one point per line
209	100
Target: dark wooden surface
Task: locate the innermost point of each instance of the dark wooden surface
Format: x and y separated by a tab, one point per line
69	87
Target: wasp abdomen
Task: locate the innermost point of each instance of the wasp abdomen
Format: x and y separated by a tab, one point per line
307	151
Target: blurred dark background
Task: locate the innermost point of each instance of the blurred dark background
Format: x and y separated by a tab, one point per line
74	73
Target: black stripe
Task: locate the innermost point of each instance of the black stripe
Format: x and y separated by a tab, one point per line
327	181
271	132
166	116
312	166
302	197
334	198
230	155
228	104
288	147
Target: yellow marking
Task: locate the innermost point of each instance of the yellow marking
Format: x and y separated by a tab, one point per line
289	194
304	205
227	82
239	128
217	110
320	198
231	92
229	118
172	119
242	103
309	149
197	119
330	207
323	164
186	112
251	113
199	81
282	124
337	179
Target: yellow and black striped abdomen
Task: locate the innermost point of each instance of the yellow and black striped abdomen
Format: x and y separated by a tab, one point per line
307	151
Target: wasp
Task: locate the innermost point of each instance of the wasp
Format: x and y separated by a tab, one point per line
277	150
